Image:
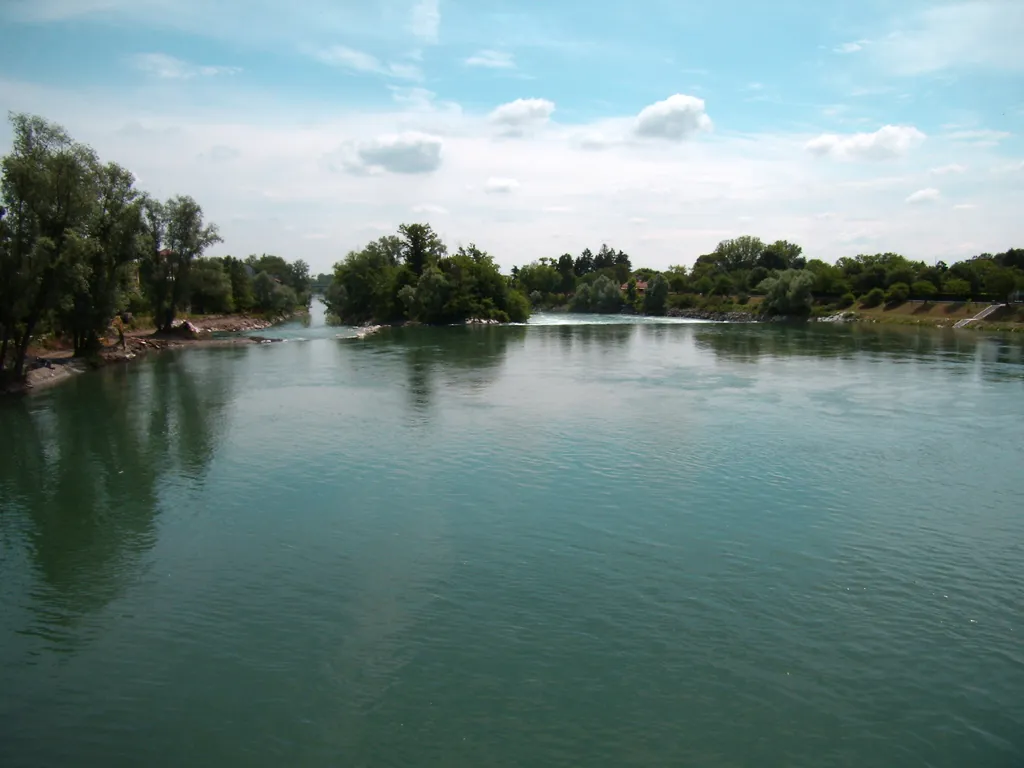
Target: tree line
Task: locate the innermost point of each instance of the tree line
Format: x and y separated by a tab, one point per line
80	243
740	267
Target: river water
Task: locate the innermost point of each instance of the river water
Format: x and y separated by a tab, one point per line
616	543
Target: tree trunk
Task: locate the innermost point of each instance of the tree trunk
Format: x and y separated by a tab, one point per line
3	348
21	349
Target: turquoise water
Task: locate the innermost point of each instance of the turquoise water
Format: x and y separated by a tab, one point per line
621	543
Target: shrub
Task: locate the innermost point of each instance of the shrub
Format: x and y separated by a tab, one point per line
847	300
742	299
872	298
897	293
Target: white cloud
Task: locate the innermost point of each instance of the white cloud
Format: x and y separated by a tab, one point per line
500	186
426	20
638	220
981	137
887	142
405	153
677	117
439	210
171	68
519	115
569	197
945	170
851	47
358	61
965	206
491	60
980	34
929	195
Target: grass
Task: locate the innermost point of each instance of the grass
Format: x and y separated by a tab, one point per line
943	314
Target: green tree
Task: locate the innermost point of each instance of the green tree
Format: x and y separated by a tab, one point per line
656	296
1000	283
177	225
873	298
738	253
48	190
788	293
241	284
780	255
923	289
957	288
420	246
897	293
210	287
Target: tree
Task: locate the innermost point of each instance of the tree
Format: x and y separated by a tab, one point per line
1000	283
113	243
210	287
781	254
739	253
789	293
584	265
241	284
566	269
873	298
631	291
48	190
178	226
923	289
897	293
420	246
957	288
656	296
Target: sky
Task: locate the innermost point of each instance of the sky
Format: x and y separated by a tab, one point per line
538	127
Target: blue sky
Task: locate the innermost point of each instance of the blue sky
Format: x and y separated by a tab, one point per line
534	128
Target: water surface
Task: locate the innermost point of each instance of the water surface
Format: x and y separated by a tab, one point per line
620	543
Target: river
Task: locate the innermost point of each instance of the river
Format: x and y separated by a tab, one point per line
581	542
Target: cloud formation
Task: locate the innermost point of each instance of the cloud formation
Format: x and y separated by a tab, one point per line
676	118
171	68
517	116
491	60
500	186
426	20
888	142
358	61
929	195
404	153
946	170
851	47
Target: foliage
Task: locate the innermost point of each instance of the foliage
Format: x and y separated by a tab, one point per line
847	300
872	298
210	287
957	288
897	293
381	284
923	289
788	293
656	296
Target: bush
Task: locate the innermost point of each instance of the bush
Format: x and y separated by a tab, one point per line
682	301
788	293
897	293
872	298
742	299
847	300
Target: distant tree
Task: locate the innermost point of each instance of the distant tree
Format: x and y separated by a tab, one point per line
923	289
897	293
739	253
957	288
656	296
1000	283
631	291
873	298
781	254
584	264
420	247
566	268
210	288
788	293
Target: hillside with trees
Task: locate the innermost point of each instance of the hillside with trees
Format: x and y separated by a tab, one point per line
80	243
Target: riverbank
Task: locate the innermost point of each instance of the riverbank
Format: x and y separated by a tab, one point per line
49	366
